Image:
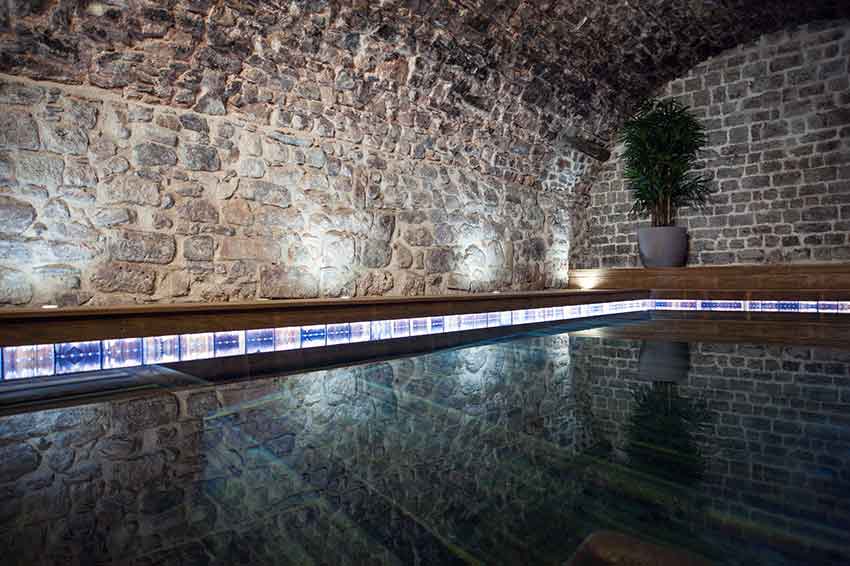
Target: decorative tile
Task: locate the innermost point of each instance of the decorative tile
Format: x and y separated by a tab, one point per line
382	329
401	328
729	306
419	326
22	362
467	321
122	353
339	334
828	307
451	323
596	309
229	343
199	346
361	331
436	324
161	349
75	357
260	340
573	311
834	307
675	305
494	319
313	336
808	306
287	338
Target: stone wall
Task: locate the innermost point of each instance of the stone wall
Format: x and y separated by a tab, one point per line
106	201
214	153
203	150
777	113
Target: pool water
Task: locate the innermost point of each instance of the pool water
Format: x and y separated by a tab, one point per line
509	452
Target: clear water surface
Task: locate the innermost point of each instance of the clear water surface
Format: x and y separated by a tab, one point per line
510	452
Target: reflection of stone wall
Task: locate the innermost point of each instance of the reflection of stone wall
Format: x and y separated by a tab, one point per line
778	442
476	451
384	463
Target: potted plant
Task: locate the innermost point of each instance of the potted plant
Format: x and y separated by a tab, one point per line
661	145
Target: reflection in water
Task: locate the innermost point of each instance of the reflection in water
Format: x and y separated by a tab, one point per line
662	431
662	435
505	453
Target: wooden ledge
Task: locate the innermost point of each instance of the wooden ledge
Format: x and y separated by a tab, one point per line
797	277
44	326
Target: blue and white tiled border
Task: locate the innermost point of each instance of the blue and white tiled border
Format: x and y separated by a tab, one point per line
22	362
827	307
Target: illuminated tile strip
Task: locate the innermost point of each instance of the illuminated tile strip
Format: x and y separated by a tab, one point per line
22	362
824	307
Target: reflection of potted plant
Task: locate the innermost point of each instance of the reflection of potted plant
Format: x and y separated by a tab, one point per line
661	145
662	434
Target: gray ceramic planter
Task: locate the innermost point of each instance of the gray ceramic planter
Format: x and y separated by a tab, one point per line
663	246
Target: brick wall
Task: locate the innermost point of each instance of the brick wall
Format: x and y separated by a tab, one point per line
777	113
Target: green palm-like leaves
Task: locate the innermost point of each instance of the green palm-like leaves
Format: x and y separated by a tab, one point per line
661	145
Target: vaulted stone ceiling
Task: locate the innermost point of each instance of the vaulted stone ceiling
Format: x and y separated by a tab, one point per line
584	59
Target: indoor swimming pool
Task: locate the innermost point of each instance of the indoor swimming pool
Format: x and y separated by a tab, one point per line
508	451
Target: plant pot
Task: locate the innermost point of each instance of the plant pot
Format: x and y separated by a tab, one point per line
663	246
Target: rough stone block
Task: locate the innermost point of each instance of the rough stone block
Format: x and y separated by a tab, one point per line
18	93
39	169
256	248
265	193
419	236
154	155
19	460
15	215
131	189
197	157
376	253
237	211
15	289
195	123
439	260
79	173
199	248
278	282
144	247
66	139
124	278
199	210
252	167
108	217
18	130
